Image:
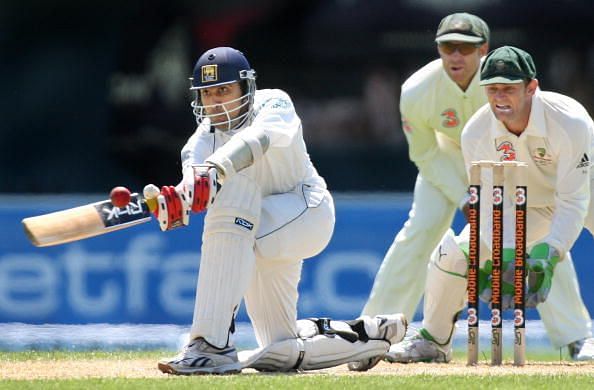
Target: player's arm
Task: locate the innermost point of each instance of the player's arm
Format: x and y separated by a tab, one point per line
275	125
434	165
195	192
572	197
572	190
240	152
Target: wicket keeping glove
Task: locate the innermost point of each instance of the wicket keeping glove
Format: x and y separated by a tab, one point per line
540	265
507	280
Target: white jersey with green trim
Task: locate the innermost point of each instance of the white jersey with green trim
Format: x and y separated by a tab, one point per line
556	145
285	165
434	111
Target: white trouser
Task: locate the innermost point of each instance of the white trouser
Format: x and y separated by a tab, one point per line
253	247
293	226
227	258
399	283
564	314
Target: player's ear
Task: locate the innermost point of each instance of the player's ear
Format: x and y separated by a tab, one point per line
484	49
531	87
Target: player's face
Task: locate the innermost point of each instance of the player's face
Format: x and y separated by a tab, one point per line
223	102
461	60
511	103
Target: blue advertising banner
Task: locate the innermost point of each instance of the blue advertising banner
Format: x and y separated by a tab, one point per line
141	275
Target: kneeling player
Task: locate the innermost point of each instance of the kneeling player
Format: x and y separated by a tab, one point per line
267	209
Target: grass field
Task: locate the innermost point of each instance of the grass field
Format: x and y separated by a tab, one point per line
137	370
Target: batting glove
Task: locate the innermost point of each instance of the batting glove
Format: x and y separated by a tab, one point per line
169	205
200	185
540	265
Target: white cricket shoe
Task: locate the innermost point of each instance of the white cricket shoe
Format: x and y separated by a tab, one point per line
199	357
582	350
419	348
389	327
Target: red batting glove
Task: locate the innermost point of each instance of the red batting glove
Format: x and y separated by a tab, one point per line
173	210
200	186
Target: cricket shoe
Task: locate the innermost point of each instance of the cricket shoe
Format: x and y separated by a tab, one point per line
200	357
419	347
391	328
582	350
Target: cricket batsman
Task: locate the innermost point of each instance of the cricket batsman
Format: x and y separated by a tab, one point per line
267	209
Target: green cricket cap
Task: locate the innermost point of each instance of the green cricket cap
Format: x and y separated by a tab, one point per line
462	27
507	65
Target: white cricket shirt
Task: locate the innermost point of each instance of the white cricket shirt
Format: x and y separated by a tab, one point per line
435	109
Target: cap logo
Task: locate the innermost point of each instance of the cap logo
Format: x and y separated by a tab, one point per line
462	26
210	73
500	65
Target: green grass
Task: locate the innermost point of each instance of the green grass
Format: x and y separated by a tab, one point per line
76	355
308	380
318	382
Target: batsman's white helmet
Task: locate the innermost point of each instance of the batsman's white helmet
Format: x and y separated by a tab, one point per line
219	66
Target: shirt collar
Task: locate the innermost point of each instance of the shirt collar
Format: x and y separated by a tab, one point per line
472	87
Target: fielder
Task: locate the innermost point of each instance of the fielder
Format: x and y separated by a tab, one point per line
435	104
552	133
267	209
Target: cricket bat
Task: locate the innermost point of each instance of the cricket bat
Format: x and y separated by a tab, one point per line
85	221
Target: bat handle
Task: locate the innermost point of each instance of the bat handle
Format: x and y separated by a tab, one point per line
152	204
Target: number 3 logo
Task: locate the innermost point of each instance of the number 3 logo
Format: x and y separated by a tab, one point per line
520	196
473	195
450	118
497	196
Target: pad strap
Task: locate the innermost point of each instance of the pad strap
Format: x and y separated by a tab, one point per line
359	327
324	326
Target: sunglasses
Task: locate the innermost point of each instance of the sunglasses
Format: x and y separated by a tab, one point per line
463	48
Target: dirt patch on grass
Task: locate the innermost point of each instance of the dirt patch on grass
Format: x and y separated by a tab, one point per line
460	368
147	368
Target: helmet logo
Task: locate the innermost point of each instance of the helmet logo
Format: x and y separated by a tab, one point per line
210	73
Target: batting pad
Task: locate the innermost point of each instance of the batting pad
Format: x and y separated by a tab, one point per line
445	289
312	353
228	259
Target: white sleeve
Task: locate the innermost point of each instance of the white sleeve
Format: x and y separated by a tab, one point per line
276	116
275	125
197	148
435	166
572	192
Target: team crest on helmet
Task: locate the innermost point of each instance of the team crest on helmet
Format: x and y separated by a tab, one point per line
509	154
450	118
210	73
